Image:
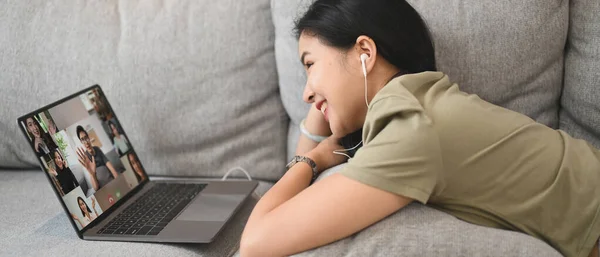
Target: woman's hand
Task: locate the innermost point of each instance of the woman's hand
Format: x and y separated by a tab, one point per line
323	154
94	204
89	165
315	122
74	217
37	142
52	171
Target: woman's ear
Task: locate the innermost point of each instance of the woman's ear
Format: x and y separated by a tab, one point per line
366	45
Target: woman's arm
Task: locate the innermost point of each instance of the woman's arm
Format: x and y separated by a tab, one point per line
76	219
292	218
316	124
112	169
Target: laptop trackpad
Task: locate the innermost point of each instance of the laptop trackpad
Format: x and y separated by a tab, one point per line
211	207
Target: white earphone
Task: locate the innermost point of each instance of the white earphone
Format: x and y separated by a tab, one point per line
363	59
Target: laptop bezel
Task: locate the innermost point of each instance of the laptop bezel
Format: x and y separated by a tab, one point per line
114	207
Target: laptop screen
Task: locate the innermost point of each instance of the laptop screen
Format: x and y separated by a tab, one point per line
84	150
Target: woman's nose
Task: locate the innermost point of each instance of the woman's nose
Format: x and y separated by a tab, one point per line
309	95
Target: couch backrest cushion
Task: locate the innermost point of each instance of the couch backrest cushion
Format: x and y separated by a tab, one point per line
580	112
193	83
510	54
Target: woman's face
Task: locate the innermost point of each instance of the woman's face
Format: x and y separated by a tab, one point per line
135	165
82	205
33	127
335	80
58	160
113	128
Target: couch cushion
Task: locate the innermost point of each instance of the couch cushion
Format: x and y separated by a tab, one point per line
195	91
418	230
34	224
580	113
508	54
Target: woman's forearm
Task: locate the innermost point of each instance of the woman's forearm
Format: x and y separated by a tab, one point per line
296	179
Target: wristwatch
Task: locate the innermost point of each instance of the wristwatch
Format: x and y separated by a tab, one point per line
305	159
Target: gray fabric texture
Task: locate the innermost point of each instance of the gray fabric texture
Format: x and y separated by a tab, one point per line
36	225
289	69
508	54
195	88
418	230
580	112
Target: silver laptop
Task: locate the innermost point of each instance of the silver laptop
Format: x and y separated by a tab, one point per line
103	186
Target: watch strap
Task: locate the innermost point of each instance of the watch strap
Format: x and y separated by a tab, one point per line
309	161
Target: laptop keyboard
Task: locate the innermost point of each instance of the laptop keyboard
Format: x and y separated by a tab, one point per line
154	210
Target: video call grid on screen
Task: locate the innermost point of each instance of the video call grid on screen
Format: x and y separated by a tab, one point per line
85	153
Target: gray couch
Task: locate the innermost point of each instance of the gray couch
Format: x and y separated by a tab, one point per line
203	86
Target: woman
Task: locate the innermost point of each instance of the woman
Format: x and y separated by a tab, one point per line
87	214
137	167
94	161
42	143
119	141
423	140
63	174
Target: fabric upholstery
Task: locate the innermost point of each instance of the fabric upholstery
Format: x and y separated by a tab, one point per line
580	113
189	105
418	230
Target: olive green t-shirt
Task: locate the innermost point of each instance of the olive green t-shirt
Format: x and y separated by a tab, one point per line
426	140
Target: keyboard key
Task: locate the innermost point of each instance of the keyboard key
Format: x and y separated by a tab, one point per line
157	219
144	230
154	231
132	231
108	231
126	225
151	223
120	231
161	224
113	227
138	225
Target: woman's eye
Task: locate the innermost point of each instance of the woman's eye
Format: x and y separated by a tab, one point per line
308	65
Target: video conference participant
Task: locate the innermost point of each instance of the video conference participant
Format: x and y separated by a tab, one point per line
119	141
42	143
87	214
136	166
94	161
63	174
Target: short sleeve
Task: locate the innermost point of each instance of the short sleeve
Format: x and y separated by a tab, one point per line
103	156
401	152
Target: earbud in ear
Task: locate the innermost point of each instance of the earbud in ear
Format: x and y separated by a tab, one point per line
363	58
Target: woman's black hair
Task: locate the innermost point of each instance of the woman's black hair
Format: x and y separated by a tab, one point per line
80	129
86	206
400	34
